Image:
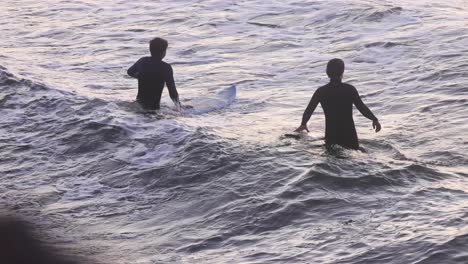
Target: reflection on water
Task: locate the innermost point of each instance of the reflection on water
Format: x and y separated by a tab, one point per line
226	186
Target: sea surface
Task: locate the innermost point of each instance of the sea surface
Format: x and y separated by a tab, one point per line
111	182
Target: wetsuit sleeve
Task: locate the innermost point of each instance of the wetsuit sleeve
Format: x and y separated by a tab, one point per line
169	79
135	69
365	111
310	108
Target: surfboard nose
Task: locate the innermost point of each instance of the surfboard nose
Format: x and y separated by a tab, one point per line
229	93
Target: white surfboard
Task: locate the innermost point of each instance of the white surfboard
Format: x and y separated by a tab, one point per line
221	100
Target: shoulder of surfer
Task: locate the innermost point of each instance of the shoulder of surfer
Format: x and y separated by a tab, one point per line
146	58
347	85
166	64
167	67
348	88
321	88
144	61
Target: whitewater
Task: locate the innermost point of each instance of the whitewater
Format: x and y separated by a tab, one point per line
108	181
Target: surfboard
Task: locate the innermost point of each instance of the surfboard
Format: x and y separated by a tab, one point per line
220	100
293	135
301	136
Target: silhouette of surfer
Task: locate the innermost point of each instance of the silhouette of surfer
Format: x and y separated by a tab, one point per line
152	73
337	99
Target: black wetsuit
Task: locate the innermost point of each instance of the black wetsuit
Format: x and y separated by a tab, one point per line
337	101
152	74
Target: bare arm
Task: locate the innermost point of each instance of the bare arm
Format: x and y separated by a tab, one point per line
169	78
134	70
365	111
309	111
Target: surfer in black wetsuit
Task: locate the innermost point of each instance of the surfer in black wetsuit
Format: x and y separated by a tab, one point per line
152	73
337	99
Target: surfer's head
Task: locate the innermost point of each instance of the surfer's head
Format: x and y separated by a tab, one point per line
335	69
158	47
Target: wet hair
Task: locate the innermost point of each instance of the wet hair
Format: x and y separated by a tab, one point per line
335	69
158	47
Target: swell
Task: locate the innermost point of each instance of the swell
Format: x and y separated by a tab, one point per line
417	251
8	80
178	190
452	251
59	127
324	192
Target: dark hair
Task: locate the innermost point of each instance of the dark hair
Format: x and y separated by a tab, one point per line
335	69
157	47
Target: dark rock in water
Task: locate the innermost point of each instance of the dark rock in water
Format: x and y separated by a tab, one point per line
20	245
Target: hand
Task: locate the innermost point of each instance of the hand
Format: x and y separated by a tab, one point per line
301	128
178	106
376	125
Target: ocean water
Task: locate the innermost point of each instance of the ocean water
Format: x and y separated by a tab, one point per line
108	181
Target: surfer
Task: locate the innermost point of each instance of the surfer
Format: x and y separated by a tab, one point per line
152	73
337	99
